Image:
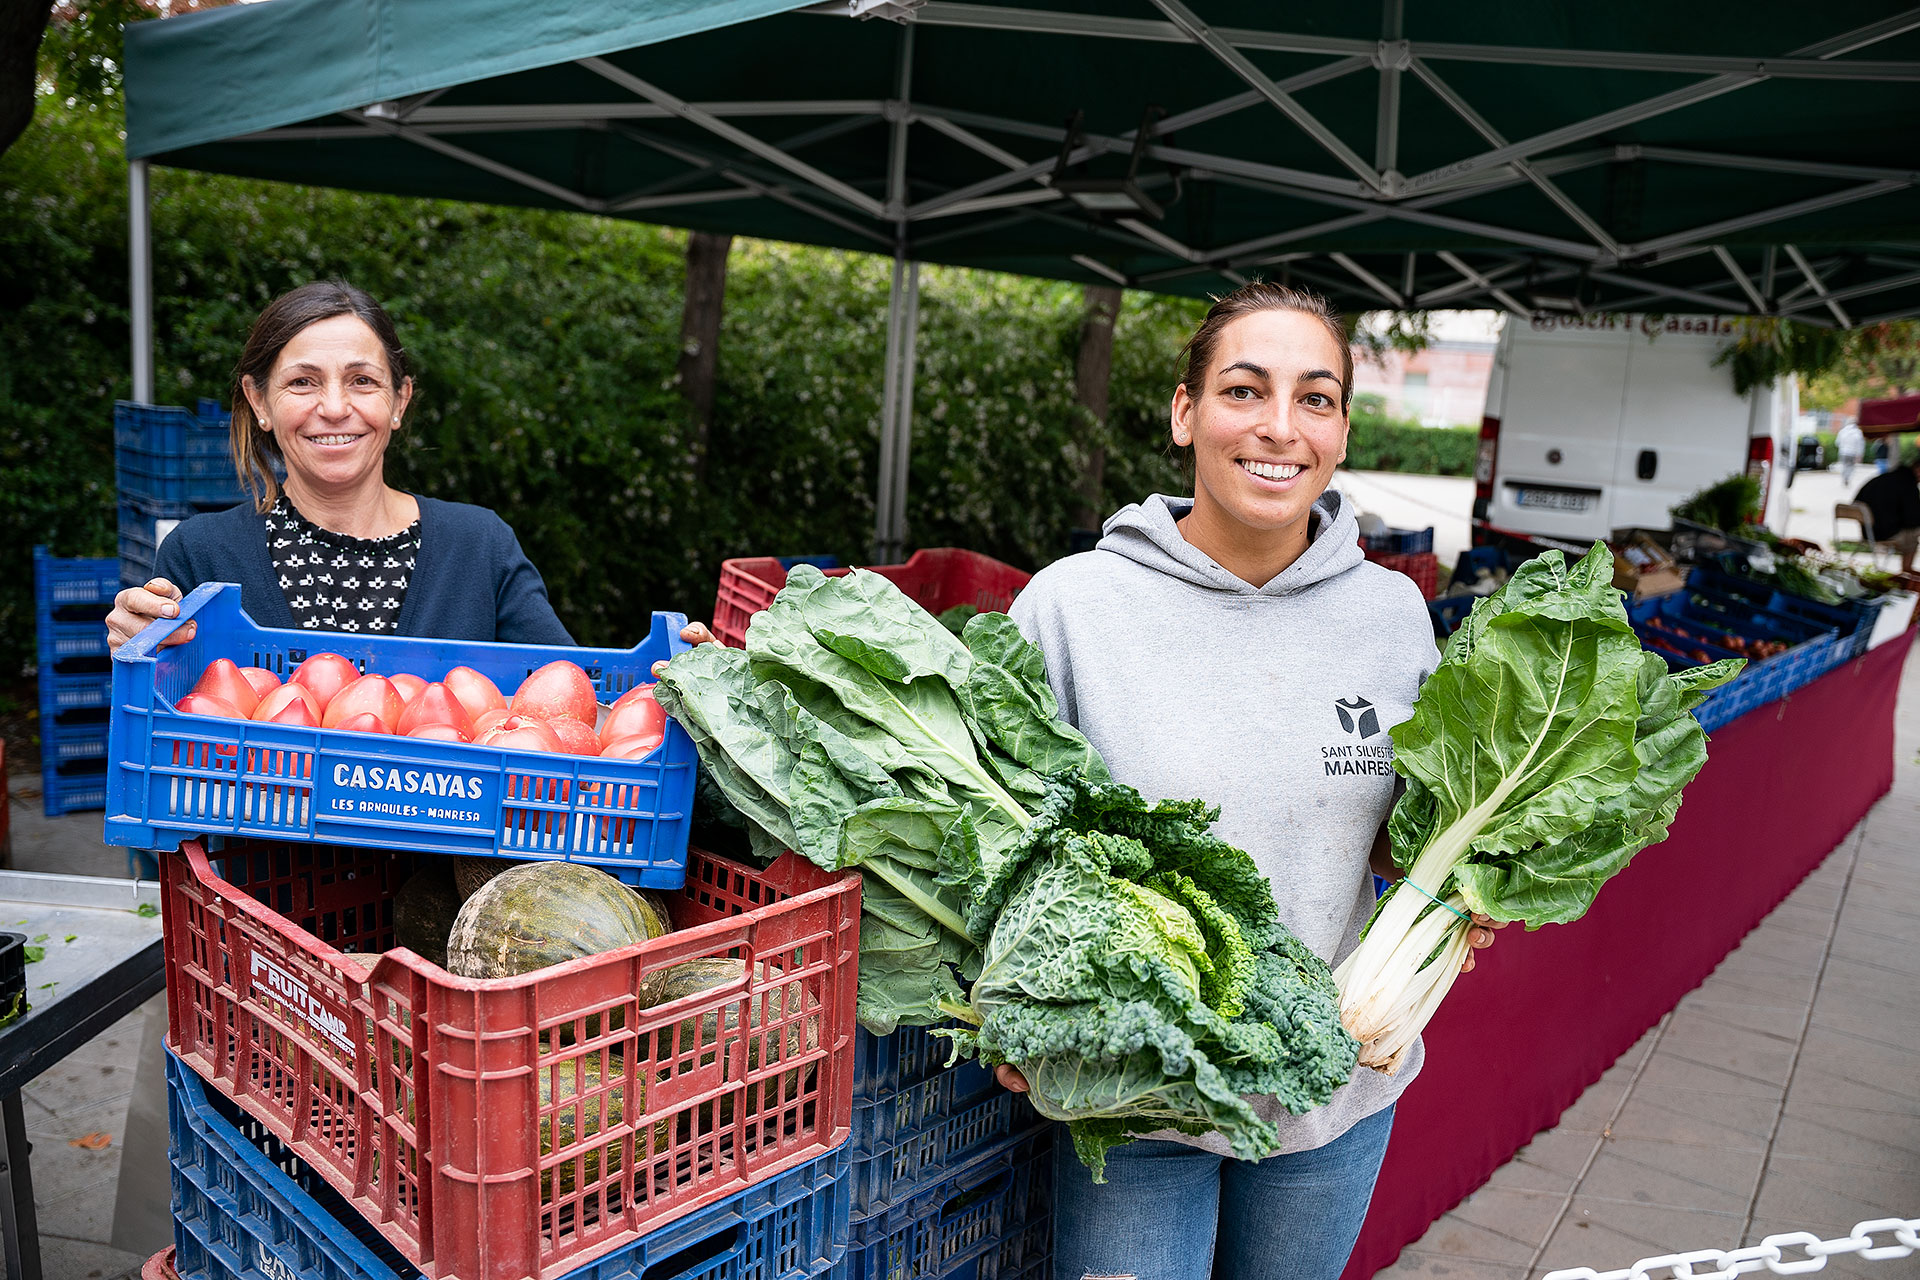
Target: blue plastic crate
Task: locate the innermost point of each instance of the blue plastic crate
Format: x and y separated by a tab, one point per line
72	788
884	1065
1852	619
1717	618
59	582
77	735
982	1221
244	1205
142	529
61	639
165	454
1399	542
1449	612
904	1144
176	777
62	691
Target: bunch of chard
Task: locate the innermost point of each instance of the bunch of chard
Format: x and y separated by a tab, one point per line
1545	751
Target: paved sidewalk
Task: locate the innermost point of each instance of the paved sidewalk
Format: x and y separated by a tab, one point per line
1781	1095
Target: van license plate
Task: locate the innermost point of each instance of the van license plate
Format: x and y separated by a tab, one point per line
1552	500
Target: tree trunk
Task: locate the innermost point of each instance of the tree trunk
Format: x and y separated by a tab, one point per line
1092	374
700	333
22	23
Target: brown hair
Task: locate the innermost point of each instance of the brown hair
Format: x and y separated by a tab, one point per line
255	452
1263	295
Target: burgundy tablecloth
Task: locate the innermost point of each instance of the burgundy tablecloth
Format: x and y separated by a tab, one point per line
1545	1013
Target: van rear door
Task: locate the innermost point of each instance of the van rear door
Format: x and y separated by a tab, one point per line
1563	393
1683	427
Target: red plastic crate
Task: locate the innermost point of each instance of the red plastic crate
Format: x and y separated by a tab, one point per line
1423	567
937	579
417	1094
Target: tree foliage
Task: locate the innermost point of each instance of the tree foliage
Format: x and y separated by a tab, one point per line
1837	363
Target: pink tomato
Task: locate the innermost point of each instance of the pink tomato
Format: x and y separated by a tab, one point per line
521	733
476	693
634	715
362	722
633	747
263	681
558	691
223	680
326	674
575	738
374	695
286	695
434	704
208	704
437	733
408	685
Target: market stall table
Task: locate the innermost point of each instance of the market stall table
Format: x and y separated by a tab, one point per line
1544	1014
79	989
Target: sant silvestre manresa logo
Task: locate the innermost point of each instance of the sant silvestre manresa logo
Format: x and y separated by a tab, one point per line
405	792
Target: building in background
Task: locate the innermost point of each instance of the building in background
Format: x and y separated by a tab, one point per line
1446	384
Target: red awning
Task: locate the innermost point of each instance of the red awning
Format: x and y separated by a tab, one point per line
1890	417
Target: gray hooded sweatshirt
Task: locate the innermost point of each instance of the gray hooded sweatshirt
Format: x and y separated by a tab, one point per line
1272	702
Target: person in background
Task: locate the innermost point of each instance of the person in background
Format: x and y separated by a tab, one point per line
1248	613
1894	500
321	387
1851	443
1882	456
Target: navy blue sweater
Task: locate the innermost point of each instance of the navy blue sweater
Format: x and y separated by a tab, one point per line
470	581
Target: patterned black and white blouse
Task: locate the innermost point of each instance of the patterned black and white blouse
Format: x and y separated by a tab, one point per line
334	582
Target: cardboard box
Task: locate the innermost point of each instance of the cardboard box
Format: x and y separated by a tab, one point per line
1643	567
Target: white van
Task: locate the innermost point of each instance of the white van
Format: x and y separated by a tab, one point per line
1603	422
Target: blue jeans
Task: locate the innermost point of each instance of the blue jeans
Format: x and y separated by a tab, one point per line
1173	1212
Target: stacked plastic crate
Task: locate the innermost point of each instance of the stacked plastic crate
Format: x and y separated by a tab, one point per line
936	578
342	1107
71	600
952	1174
1408	551
170	464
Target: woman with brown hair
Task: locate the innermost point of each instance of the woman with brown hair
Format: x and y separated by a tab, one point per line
321	386
1237	645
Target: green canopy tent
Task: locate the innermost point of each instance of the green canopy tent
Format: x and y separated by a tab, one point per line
1528	156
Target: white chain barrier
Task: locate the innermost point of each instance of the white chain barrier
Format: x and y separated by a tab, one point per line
1770	1255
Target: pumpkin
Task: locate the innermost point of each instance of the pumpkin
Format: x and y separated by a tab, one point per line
470	872
424	911
572	1108
695	1041
545	913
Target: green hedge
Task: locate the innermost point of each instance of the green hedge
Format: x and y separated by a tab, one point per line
1377	444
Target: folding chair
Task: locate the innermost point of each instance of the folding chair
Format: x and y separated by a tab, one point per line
1860	515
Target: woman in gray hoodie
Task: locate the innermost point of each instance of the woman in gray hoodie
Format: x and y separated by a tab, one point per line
1236	645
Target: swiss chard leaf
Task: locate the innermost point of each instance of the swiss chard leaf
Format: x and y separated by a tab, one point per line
1521	738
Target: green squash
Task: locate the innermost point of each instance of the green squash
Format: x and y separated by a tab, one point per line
695	1042
565	1125
545	913
424	910
470	872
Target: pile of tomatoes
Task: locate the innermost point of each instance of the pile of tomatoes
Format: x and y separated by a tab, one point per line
553	710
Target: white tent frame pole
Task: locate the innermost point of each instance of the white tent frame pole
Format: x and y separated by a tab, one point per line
140	277
903	331
1819	285
896	412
